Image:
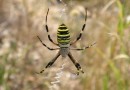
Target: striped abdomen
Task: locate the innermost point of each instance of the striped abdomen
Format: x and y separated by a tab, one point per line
63	35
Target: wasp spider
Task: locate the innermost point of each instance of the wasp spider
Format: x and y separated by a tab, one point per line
63	39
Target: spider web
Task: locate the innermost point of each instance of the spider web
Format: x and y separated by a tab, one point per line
60	72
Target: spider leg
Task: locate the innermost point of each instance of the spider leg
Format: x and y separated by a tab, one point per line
50	63
46	45
47	30
79	49
83	27
77	65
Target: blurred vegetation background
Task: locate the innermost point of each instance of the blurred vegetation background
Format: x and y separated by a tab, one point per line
106	65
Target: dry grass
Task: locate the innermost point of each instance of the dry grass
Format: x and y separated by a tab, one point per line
106	65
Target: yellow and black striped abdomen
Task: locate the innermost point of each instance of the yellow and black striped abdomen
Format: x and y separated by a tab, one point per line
63	35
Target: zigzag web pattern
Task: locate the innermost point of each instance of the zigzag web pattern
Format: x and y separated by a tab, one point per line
60	72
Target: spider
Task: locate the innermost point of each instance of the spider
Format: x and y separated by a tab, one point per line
63	39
